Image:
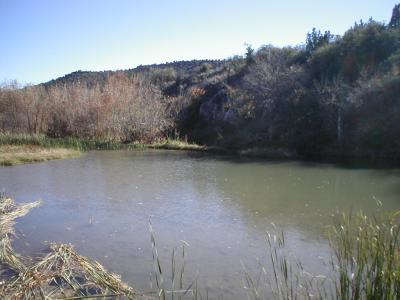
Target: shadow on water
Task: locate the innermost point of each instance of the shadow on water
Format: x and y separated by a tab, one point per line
351	163
222	205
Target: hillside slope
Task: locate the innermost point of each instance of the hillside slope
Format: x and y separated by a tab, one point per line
334	96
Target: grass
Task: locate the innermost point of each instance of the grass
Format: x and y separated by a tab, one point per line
365	261
366	257
365	264
61	274
172	287
176	145
286	279
84	144
17	154
64	274
81	144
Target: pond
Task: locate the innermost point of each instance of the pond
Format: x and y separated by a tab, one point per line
220	207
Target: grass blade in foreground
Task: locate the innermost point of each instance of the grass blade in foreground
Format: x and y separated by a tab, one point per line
365	264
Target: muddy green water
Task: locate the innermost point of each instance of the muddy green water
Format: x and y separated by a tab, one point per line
220	206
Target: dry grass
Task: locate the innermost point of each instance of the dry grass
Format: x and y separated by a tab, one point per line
176	145
65	274
365	264
61	274
17	154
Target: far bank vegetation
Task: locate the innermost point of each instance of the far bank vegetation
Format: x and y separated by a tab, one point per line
334	95
122	108
18	154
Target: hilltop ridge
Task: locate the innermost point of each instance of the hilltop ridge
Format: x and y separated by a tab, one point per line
334	96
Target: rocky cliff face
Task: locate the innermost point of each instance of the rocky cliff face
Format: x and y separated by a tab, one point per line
217	109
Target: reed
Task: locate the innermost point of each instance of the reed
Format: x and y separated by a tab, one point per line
176	144
61	274
173	287
286	278
17	154
366	256
365	264
82	144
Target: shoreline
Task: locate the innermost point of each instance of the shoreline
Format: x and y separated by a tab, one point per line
76	146
11	155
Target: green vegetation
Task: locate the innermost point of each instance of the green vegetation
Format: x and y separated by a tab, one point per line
29	141
81	144
365	264
64	274
367	257
175	286
12	155
333	96
176	145
84	144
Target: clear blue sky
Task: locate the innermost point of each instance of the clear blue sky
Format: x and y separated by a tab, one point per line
42	40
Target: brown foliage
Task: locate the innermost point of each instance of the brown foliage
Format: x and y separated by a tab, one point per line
125	108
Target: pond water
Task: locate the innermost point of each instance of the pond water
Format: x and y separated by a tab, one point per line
221	207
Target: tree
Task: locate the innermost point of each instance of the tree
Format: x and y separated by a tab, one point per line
272	85
249	54
395	20
334	94
316	39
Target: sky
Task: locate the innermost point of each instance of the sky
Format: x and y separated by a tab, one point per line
44	39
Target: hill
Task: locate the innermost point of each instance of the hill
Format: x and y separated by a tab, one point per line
336	95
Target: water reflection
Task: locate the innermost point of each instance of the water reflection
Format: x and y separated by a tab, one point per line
221	206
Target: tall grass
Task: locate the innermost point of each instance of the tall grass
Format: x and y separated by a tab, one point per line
365	264
81	144
84	144
173	287
13	154
366	256
177	144
286	278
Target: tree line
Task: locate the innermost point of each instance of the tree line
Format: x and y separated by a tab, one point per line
334	95
122	108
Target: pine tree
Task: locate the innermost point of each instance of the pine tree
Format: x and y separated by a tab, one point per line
316	39
395	20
